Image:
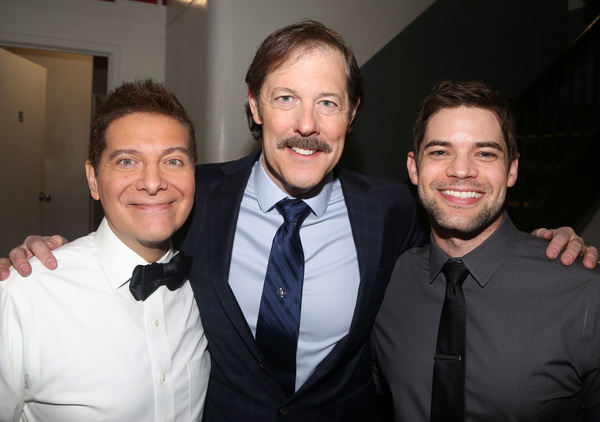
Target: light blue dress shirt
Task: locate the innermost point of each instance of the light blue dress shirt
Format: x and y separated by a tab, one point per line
331	275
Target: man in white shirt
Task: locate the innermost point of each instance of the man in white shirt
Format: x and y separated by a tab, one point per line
75	344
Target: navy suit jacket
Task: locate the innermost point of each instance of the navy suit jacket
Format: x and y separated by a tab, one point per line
242	387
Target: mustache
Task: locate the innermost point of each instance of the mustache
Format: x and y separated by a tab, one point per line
304	143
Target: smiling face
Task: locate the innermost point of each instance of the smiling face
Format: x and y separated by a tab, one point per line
304	111
145	181
462	172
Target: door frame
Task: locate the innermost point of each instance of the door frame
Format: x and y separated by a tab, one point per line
113	52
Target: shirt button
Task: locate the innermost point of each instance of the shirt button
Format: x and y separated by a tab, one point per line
163	377
155	323
283	411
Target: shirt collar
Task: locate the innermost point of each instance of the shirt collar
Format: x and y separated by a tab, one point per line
117	259
484	260
268	193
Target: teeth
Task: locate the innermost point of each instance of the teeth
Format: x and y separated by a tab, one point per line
462	195
303	151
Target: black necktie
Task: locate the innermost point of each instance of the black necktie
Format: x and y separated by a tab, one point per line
448	394
279	315
147	278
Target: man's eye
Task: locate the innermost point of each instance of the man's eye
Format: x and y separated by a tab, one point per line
284	102
126	162
175	162
438	153
328	103
486	154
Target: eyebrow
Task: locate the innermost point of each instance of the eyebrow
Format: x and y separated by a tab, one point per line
293	92
436	143
481	144
125	151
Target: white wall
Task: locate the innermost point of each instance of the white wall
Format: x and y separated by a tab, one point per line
132	34
221	37
201	48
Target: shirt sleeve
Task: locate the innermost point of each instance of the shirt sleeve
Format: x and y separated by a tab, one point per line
12	377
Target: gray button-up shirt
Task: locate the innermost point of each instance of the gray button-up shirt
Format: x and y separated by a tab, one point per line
533	332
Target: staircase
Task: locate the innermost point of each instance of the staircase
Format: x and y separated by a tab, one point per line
558	124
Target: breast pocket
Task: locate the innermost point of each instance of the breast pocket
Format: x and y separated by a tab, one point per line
198	373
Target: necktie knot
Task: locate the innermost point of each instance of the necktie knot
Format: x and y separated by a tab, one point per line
147	278
293	210
456	272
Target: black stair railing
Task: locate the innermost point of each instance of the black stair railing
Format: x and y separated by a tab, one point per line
558	118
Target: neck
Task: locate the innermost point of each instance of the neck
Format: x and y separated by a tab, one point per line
150	250
456	243
152	254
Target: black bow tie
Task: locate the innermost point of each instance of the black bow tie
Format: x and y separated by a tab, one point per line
147	278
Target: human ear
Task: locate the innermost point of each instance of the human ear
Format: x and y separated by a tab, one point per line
513	170
92	182
255	108
411	165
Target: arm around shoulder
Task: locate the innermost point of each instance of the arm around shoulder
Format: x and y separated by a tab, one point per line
38	246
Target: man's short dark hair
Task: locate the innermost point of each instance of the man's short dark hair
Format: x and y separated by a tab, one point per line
449	94
145	96
278	47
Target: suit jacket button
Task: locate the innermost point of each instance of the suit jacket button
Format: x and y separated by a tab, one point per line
261	366
283	411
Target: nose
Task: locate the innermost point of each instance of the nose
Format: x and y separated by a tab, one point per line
151	180
461	167
307	121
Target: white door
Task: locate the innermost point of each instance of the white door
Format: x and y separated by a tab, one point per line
22	139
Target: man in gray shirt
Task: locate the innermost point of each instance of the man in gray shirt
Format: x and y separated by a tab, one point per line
531	340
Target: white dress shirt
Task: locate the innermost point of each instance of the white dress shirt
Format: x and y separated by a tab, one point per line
76	346
331	274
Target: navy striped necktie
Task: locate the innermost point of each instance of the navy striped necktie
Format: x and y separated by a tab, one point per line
279	315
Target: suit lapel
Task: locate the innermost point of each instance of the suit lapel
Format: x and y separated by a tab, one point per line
367	223
223	207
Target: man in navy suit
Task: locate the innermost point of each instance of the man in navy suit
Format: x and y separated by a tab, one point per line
304	93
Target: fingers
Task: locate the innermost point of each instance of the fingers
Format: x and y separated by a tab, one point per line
4	268
543	233
564	239
48	243
18	257
572	251
41	247
38	246
590	257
